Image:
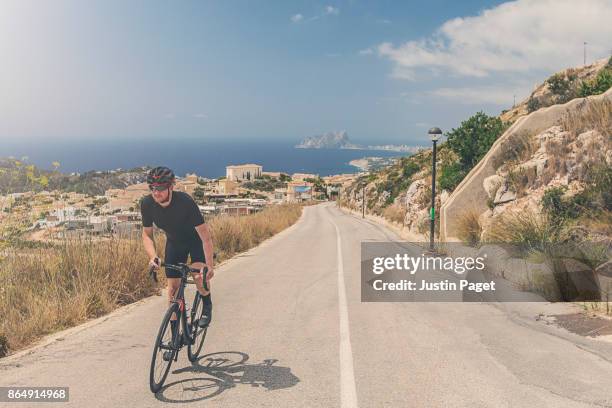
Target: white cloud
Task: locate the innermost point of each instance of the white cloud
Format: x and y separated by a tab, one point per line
327	11
402	73
332	10
200	116
169	116
367	51
499	95
383	21
514	37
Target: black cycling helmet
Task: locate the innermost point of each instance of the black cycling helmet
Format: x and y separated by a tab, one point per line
160	176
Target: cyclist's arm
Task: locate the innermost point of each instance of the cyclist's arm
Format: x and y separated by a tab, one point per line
149	243
204	233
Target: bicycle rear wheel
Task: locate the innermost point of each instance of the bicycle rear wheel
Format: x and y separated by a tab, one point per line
198	334
163	344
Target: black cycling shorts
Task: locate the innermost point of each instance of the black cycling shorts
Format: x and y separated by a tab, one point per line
177	252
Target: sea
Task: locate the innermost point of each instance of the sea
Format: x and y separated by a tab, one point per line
205	158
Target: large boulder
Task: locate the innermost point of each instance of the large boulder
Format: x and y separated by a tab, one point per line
414	191
583	278
504	195
492	183
604	280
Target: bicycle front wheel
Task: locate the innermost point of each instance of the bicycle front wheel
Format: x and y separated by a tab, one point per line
198	334
164	351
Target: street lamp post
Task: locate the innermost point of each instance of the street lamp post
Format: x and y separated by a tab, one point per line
363	201
435	134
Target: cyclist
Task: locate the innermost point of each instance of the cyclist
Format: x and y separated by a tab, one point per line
179	217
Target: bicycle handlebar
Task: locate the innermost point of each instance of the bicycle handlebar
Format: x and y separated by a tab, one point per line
183	269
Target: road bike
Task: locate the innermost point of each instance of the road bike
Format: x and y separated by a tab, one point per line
188	332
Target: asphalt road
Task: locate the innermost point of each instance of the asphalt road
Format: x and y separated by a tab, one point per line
289	330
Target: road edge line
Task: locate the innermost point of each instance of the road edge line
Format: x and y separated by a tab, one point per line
348	390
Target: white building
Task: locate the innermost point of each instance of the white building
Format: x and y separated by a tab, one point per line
243	172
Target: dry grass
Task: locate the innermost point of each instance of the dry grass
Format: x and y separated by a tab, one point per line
394	213
601	224
592	114
47	289
602	308
557	160
521	179
232	235
528	231
44	290
469	228
519	147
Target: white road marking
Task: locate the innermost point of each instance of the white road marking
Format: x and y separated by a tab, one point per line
348	391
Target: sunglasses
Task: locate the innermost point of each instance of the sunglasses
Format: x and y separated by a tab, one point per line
158	187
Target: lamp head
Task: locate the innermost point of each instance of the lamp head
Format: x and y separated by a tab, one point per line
435	133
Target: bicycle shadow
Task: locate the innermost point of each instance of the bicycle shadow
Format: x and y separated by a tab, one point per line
225	370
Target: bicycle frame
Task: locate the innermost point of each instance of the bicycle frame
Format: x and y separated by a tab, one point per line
179	296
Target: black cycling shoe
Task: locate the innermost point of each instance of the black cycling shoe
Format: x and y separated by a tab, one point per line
167	356
206	318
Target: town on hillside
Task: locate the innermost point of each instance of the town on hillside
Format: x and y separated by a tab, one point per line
245	189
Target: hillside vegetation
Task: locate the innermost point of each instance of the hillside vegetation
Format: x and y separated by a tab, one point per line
402	192
17	176
45	288
574	157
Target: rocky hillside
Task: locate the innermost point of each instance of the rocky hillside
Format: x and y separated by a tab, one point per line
401	192
574	158
564	86
17	176
563	173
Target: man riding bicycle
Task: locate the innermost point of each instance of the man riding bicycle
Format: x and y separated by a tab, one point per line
187	235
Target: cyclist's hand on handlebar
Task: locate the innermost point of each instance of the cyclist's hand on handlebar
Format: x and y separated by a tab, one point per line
209	273
154	263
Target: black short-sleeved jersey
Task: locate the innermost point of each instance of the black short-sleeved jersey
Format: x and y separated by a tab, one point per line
177	220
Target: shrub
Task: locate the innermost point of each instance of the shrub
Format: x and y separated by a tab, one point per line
562	86
558	208
469	228
450	176
533	104
598	85
389	200
473	139
409	169
597	195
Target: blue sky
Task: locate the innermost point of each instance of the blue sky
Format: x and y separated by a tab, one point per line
383	71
